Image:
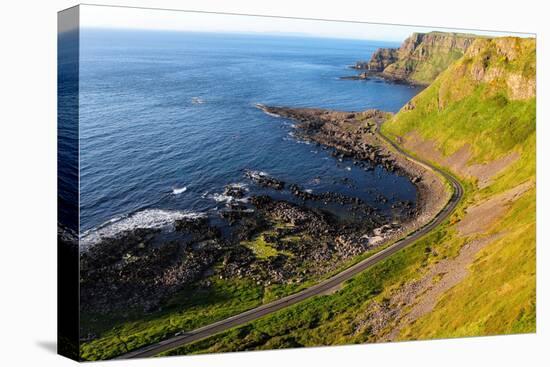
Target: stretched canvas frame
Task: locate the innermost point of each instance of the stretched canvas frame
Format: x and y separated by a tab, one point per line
438	241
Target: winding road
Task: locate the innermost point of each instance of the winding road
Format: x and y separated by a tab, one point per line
318	289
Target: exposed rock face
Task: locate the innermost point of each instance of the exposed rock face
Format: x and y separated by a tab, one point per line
504	61
421	57
379	60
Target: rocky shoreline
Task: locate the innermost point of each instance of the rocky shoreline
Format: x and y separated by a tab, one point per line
355	134
265	240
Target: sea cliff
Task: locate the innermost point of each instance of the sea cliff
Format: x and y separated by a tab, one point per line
421	57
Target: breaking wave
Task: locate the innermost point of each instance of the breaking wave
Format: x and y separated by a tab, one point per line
146	219
222	198
226	196
264	109
177	191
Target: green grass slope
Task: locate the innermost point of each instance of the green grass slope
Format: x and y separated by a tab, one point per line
486	101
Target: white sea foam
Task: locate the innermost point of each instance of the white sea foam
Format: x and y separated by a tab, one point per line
177	191
256	174
298	140
240	185
263	108
348	168
221	198
271	114
148	218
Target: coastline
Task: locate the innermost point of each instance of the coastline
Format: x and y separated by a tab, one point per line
306	236
365	74
416	229
332	128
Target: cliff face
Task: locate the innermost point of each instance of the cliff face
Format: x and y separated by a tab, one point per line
379	60
506	63
421	57
486	99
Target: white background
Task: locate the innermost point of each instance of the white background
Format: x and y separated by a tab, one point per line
28	182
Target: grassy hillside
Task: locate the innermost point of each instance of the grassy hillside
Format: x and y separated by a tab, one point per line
485	102
477	120
475	102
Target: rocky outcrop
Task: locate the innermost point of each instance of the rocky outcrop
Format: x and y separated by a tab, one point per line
504	63
133	271
421	57
380	59
362	76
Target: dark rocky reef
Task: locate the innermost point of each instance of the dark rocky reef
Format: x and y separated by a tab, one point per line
139	270
361	76
347	132
132	270
265	180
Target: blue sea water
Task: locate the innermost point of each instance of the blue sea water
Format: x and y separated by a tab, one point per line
167	119
67	141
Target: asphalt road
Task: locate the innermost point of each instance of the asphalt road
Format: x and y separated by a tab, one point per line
318	289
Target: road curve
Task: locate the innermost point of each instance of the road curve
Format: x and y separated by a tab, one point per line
319	288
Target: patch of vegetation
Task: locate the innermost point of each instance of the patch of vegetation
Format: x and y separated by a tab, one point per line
260	247
499	294
426	71
191	308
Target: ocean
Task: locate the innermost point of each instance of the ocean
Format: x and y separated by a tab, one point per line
168	119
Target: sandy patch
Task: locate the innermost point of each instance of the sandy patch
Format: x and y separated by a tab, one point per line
458	161
479	217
